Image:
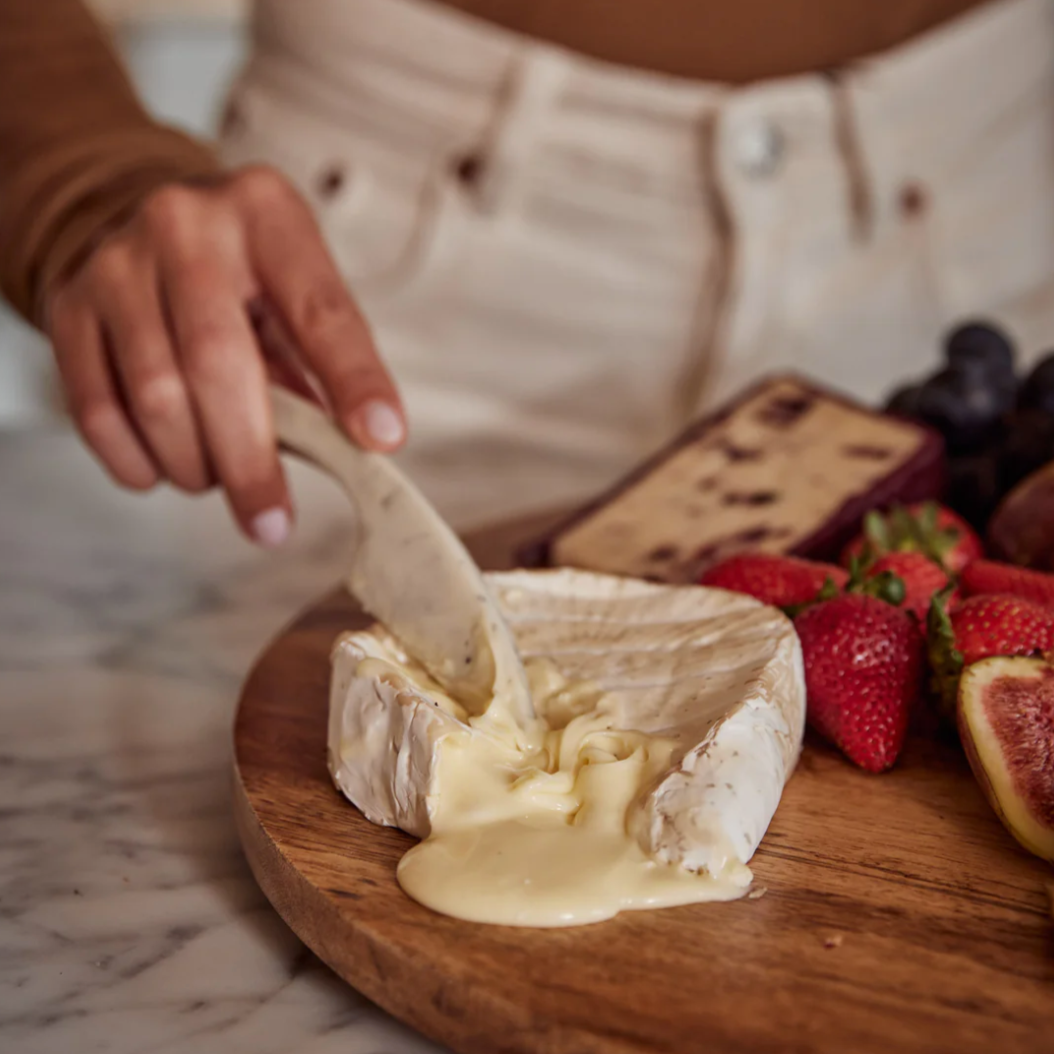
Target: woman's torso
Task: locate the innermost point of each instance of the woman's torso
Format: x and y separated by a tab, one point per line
737	42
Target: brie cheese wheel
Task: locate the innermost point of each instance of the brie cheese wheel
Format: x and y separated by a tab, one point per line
669	719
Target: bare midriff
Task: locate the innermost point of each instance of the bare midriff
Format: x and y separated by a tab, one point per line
735	42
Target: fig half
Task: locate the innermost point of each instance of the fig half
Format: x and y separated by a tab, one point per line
1006	721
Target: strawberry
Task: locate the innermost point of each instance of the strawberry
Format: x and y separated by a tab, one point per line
863	673
922	579
783	581
980	628
997	624
922	528
988	576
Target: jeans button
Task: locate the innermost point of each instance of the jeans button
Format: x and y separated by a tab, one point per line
759	148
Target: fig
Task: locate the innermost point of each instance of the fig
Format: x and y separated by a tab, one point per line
1006	722
1021	530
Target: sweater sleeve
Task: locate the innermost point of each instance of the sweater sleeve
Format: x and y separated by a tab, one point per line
77	150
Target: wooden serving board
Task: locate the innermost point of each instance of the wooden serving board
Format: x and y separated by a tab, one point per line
898	915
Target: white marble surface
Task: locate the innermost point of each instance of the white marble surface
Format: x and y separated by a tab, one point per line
129	922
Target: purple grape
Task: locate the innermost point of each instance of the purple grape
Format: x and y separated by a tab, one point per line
981	346
965	406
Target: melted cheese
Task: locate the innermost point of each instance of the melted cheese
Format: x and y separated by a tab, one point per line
538	836
609	799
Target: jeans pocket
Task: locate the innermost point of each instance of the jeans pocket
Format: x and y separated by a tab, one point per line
391	211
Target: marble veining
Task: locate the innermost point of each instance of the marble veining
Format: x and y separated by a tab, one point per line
129	922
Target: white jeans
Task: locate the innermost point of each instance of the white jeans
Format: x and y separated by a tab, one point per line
563	261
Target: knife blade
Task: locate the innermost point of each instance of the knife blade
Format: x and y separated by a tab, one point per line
409	570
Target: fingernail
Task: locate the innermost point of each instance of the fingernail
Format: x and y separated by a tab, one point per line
382	423
271	528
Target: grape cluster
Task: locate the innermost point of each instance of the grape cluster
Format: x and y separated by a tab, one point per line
997	426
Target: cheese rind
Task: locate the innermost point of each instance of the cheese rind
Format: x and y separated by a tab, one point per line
704	688
725	790
383	733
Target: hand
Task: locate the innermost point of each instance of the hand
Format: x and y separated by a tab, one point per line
163	368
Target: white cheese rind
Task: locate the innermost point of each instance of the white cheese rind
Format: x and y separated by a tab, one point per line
723	795
383	736
716	670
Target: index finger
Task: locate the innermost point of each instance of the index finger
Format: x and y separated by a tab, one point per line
294	267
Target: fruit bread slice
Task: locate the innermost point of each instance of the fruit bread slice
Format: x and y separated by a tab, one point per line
787	467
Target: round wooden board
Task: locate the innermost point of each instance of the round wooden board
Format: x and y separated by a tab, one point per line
898	915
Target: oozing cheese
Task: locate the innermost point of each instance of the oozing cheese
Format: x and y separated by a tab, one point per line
668	722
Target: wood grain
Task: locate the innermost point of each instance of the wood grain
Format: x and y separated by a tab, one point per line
898	914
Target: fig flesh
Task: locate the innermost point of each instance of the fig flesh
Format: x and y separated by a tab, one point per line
1006	721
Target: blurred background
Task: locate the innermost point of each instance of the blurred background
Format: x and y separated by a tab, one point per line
182	54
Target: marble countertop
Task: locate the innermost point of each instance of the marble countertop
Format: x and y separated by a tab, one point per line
129	921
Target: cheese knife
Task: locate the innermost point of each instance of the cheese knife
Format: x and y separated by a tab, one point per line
410	571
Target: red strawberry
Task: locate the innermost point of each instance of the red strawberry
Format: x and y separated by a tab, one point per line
988	576
863	673
922	528
783	581
1001	625
980	628
922	579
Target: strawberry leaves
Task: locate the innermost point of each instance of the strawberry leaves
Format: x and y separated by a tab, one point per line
945	659
927	528
903	531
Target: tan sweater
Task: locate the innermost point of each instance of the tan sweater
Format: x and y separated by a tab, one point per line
77	151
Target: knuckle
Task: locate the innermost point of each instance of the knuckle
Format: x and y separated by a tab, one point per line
168	209
208	361
263	185
159	397
323	312
110	263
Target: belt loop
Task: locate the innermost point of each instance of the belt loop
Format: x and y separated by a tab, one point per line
496	171
847	139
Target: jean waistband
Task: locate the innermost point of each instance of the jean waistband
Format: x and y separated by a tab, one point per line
422	71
